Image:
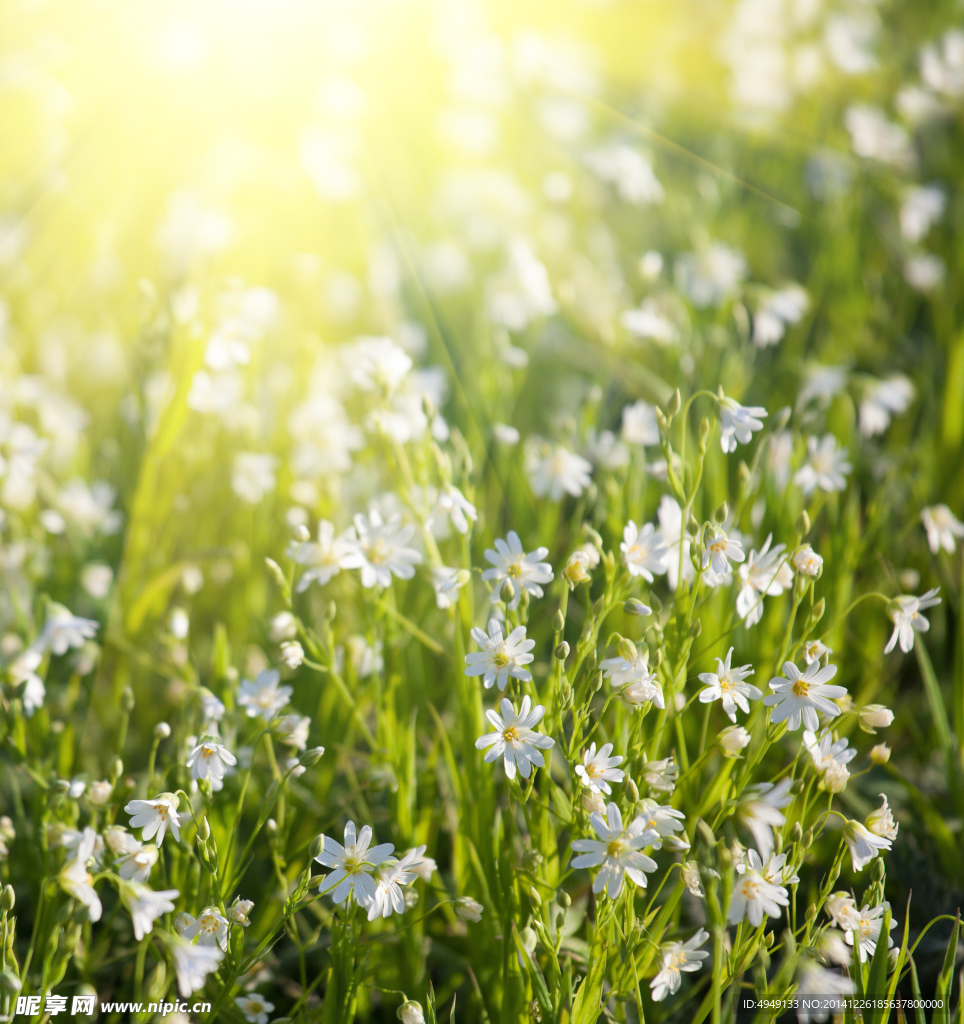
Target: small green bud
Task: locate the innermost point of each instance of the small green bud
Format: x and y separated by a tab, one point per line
661	420
8	898
558	621
811	911
627	650
565	900
127	700
507	590
768	939
721	513
636	607
818	609
317	845
633	790
331	611
807	840
561	652
803	524
743	473
534	898
162	731
117	770
696	629
674	405
704	430
560	920
204	830
275	571
796	832
311	756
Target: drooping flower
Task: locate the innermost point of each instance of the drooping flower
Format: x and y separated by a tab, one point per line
760	811
942	528
383	550
727	684
389	877
637	684
823	983
155	817
146	905
554	470
353	865
292	730
800	695
826	466
599	769
136	864
738	422
872	717
263	696
765	574
863	844
733	739
644	550
418	864
905	612
468	909
753	896
509	561
515	739
209	759
22	670
193	963
881	821
210	928
239	911
660	775
500	657
677	957
617	852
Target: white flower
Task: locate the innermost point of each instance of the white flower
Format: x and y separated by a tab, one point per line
868	924
453	504
733	739
505	434
825	752
292	653
91	507
842	910
767	574
578	567
418	864
468	909
720	551
873	136
777	310
872	717
881	821
639	424
923	206
712	275
383	550
353	865
661	818
776	871
327	556
515	739
863	844
606	450
208	760
99	793
410	1012
618	851
193	963
753	896
826	466
256	1008
818	981
660	775
814	650
760	811
376	364
76	880
63	630
96	579
727	684
670	517
389	876
924	271
253	475
882	400
263	696
630	172
802	694
677	957
239	910
23	670
644	550
447	581
155	817
210	928
526	572
293	731
905	613
136	865
554	470
806	561
212	708
599	769
942	527
639	685
738	422
500	658
146	906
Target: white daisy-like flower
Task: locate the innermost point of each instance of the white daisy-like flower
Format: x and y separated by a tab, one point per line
753	896
942	528
327	556
814	650
776	311
554	470
841	908
863	844
617	852
76	880
23	669
209	759
639	424
210	928
670	517
239	911
881	821
598	769
637	684
661	818
418	864
727	684
64	631
776	871
383	550
447	581
760	810
720	550
883	400
453	505
255	1008
135	865
766	573
500	657
660	775
826	752
353	865
376	364
155	817
644	550
738	422
868	925
389	877
526	571
800	695
292	730
905	613
826	466
263	696
193	963
677	957
515	739
146	905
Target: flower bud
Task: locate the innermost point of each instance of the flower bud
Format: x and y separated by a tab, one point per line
807	562
636	607
733	739
331	611
311	756
182	922
696	629
719	516
803	524
317	845
633	790
534	898
561	651
275	571
704	430
661	420
880	754
204	830
564	899
468	909
558	621
162	731
872	717
743	473
8	898
593	803
674	405
818	609
835	778
796	833
410	1012
627	650
507	591
271	827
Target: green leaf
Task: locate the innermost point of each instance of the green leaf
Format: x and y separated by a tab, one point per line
535	974
919	1017
586	1006
945	980
877	976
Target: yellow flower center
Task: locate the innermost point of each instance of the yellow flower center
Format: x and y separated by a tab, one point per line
511	735
500	659
801	688
615	847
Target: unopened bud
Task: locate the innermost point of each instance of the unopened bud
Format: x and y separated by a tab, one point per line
331	611
811	911
204	830
877	869
796	833
317	845
721	513
534	896
696	629
633	790
117	770
661	420
880	754
704	429
8	898
271	827
636	607
807	841
818	609
743	473
674	405
561	651
162	731
311	756
627	650
127	700
803	524
558	621
275	571
768	939
507	590
565	900
410	1012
